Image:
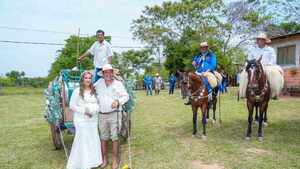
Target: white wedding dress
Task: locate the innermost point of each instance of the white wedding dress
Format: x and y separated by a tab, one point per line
86	148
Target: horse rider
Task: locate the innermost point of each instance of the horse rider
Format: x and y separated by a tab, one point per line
273	72
205	63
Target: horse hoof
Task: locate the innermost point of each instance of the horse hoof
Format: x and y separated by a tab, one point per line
203	137
247	138
265	124
260	138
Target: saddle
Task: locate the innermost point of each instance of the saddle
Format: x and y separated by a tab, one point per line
214	78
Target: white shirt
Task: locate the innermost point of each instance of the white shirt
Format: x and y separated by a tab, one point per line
78	106
101	52
107	94
267	53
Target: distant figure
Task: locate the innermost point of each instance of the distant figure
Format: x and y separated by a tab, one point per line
148	84
172	83
158	83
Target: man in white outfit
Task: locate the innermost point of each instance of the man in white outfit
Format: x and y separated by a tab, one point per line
102	52
273	71
111	95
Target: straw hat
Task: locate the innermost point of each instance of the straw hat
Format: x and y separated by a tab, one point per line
203	44
264	36
107	67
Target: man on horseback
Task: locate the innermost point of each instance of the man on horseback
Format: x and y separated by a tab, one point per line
205	63
273	72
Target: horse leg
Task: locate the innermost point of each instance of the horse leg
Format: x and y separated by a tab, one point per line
207	116
250	119
261	113
214	108
256	113
265	117
195	125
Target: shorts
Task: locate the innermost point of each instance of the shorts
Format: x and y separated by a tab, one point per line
109	126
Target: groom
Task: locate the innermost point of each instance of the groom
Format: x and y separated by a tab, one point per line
111	95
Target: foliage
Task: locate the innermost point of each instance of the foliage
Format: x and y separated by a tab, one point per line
181	26
132	62
67	58
17	78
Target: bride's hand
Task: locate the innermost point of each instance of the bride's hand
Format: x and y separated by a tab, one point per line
87	112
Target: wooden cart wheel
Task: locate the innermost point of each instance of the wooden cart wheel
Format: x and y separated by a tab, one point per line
55	137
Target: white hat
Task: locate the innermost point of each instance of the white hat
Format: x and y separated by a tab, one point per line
107	67
157	74
203	44
264	36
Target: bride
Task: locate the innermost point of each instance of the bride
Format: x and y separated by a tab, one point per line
86	149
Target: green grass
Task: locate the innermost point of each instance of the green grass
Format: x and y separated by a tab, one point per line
162	138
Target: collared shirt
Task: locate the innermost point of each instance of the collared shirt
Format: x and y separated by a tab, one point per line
267	53
101	52
158	80
205	62
107	94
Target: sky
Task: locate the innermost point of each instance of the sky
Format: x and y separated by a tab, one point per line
67	16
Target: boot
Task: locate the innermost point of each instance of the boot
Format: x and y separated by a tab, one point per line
189	102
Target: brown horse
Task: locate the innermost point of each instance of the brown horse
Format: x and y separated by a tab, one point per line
257	94
199	99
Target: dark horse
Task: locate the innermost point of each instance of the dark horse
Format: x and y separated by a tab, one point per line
199	99
183	83
257	94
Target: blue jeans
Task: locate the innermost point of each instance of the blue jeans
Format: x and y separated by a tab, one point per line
172	86
207	85
149	89
96	75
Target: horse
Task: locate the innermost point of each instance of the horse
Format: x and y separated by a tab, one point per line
257	94
200	99
183	83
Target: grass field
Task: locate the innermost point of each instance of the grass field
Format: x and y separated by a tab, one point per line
162	138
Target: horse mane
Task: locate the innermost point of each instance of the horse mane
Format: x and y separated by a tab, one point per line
194	77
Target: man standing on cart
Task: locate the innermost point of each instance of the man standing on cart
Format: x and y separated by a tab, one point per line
102	52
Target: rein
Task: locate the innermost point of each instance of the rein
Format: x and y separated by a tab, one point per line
196	95
263	91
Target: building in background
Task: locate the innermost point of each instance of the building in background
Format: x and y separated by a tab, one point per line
287	48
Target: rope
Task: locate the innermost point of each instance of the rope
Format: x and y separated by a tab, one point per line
220	121
63	143
129	144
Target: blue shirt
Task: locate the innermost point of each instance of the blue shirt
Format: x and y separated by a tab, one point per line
148	80
172	79
205	62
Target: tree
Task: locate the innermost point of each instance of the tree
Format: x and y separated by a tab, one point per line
181	26
68	55
16	76
133	61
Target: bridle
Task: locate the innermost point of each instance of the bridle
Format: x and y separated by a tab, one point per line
254	90
199	93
